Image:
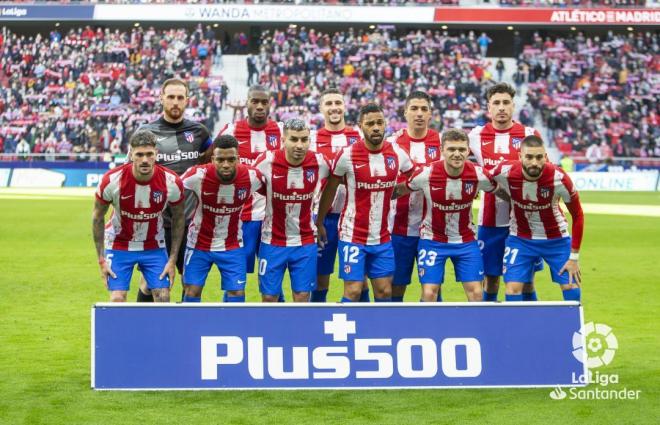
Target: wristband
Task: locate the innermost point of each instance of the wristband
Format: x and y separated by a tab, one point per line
574	256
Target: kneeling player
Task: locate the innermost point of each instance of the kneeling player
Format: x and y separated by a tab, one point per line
449	187
288	235
214	234
538	226
139	192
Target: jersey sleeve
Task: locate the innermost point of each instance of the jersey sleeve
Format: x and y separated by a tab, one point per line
206	139
474	138
405	163
102	193
419	179
341	164
312	140
485	180
174	189
228	129
257	180
192	180
324	166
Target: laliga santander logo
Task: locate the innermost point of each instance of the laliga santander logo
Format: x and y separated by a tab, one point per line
600	343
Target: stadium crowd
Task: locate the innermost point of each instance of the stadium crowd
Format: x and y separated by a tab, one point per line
597	91
87	90
376	65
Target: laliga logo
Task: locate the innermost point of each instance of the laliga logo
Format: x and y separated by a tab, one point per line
348	356
600	342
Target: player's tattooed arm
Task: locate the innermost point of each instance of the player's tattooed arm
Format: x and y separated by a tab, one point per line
98	230
501	193
178	223
400	190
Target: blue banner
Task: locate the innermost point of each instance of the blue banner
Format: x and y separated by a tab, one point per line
256	346
21	12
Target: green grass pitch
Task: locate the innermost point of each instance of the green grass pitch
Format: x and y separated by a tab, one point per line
50	280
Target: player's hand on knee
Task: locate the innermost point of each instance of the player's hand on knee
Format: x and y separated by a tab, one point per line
573	269
106	271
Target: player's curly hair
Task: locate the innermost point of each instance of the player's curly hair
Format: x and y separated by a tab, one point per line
258	88
225	141
368	109
500	88
142	138
295	124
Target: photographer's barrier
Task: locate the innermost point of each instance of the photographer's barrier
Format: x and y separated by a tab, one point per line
335	346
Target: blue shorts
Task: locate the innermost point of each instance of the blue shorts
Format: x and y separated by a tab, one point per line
520	255
432	256
405	253
328	255
274	260
151	263
491	242
251	241
356	260
230	263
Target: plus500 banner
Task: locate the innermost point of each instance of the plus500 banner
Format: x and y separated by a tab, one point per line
216	346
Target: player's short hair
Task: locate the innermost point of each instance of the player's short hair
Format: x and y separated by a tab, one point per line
330	90
257	88
368	109
418	94
500	88
532	141
295	124
225	141
174	82
142	138
453	135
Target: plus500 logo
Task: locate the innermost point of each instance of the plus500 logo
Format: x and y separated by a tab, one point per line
334	362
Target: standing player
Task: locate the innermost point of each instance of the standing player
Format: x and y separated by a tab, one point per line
538	226
139	192
214	234
334	136
369	169
491	144
181	143
255	135
288	239
422	144
449	186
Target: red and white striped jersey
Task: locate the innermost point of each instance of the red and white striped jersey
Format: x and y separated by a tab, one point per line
490	147
448	200
137	220
290	193
406	214
328	143
370	177
253	141
216	223
536	212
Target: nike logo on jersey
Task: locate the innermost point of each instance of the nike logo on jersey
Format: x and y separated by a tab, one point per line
437	188
242	142
240	282
277	177
208	193
160	139
360	165
486	143
514	187
126	197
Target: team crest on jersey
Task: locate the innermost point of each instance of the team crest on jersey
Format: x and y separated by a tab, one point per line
432	152
190	137
241	193
544	192
157	196
310	176
469	188
347	268
421	272
272	140
515	142
391	163
352	140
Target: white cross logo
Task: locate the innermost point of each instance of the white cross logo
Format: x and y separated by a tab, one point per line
339	327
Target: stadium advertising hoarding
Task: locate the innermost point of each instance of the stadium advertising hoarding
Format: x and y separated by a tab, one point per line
257	346
51	177
377	14
616	181
19	11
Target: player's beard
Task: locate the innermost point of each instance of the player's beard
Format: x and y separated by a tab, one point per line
376	144
533	172
226	178
174	114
